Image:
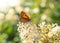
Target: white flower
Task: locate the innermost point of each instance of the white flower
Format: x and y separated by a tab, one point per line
13	3
42	24
35	10
19	9
43	17
2	16
4	5
27	9
11	15
43	3
51	5
55	29
23	34
28	32
50	34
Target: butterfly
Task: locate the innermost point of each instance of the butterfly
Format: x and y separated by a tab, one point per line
24	17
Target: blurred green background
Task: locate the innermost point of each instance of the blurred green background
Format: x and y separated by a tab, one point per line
39	10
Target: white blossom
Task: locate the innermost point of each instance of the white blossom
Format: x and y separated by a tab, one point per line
2	16
28	32
35	10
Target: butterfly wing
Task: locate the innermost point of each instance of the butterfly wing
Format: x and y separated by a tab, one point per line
24	17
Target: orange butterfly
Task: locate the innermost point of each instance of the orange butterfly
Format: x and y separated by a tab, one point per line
24	17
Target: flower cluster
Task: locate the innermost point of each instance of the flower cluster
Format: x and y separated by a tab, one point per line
43	33
49	33
28	32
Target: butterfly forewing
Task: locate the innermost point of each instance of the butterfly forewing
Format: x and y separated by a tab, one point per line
24	17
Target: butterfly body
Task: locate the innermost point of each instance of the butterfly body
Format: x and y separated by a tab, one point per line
24	17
